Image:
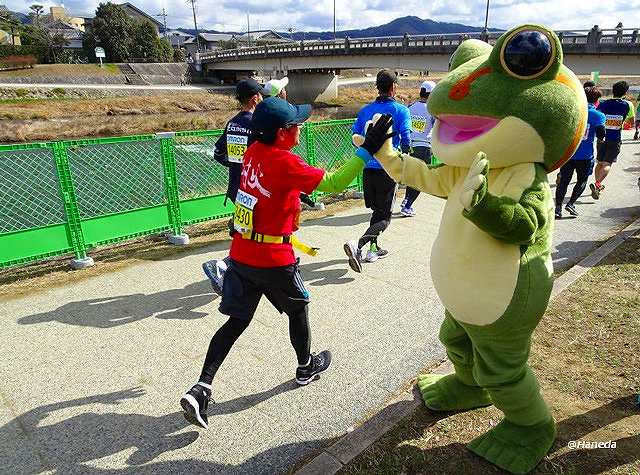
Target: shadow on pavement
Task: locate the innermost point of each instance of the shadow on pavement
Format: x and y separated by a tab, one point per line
569	253
632	169
312	274
111	312
93	434
247	402
67	445
338	221
630	212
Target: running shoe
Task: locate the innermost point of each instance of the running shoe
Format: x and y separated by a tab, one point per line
319	364
571	208
215	270
635	136
354	254
382	253
595	191
194	404
371	256
407	212
558	212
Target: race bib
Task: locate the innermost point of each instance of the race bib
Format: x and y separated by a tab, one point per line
243	216
236	146
418	124
614	122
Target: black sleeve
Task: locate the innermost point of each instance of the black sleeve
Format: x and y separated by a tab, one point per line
220	150
405	148
600	132
307	199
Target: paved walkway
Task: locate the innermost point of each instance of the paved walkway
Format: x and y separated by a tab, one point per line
92	373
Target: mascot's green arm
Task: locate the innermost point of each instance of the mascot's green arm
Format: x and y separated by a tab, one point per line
514	222
338	180
407	170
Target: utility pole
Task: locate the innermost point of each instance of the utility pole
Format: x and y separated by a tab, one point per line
334	19
195	24
164	20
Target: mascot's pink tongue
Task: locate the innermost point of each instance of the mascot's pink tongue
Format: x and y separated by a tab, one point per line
460	128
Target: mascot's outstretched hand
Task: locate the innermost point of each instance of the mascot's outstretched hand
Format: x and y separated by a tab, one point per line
475	185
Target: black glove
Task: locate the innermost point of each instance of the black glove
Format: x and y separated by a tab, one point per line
306	199
378	134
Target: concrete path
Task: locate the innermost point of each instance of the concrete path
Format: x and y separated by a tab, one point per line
92	373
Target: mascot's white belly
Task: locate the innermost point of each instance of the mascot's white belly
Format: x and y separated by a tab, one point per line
475	275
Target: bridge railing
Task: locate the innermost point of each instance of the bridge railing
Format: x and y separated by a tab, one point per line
67	197
414	43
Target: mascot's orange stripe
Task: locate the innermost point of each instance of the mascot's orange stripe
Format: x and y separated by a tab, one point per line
461	89
577	137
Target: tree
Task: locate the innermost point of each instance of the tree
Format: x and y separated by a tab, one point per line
112	30
36	11
9	22
51	42
148	46
179	56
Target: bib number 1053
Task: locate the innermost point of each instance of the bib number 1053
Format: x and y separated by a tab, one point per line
243	216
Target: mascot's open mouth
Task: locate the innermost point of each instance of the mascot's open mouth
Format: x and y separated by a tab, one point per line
460	128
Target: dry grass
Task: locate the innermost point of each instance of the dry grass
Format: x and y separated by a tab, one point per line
585	354
64	70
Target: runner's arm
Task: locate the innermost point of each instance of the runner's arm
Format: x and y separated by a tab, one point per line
220	151
600	132
340	179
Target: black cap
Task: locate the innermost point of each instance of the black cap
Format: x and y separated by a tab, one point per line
248	88
385	79
274	113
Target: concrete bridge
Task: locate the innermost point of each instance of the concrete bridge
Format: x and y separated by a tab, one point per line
312	65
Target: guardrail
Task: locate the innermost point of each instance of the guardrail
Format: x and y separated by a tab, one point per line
67	197
589	39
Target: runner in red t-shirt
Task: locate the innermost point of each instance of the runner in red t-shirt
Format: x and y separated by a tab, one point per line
263	261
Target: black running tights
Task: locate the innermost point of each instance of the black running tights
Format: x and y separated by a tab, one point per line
583	170
228	333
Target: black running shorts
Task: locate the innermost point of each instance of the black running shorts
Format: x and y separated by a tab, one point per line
608	151
379	190
244	286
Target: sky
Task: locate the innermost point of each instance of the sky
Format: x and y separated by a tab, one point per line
317	15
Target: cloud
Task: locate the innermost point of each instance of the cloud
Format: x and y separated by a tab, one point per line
230	15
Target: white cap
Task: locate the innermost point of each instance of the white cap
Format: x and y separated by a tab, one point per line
428	86
275	86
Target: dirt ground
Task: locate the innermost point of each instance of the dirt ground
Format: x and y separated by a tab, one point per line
585	353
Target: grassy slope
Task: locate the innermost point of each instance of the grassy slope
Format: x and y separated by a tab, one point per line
586	355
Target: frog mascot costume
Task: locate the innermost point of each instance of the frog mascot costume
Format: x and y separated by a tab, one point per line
506	116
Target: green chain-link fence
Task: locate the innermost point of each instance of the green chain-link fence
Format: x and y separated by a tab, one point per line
69	196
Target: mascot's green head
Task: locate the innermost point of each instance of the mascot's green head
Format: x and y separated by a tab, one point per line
515	101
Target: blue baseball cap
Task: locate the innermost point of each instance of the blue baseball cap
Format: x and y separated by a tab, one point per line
275	113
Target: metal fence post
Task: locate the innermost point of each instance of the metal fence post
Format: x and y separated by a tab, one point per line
309	134
74	227
168	151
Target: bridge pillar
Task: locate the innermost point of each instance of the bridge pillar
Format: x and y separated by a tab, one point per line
307	87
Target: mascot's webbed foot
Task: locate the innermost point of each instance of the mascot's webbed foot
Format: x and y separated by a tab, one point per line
515	448
448	393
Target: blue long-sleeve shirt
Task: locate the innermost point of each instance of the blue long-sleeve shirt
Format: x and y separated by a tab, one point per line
401	123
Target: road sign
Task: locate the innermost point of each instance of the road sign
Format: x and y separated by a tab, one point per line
100	53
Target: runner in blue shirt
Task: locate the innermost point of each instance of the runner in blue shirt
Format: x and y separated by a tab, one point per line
616	111
379	187
582	159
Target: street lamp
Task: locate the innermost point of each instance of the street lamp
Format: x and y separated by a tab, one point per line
485	32
334	20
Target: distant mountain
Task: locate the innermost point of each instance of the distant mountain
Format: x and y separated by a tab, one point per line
398	27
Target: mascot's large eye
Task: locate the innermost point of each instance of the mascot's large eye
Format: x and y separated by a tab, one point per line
527	54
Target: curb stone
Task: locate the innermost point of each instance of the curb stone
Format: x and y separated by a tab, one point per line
333	458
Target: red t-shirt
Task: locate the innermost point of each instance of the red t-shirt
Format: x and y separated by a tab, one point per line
272	180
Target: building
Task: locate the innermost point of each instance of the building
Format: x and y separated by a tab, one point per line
72	35
5	39
178	38
261	37
137	14
208	42
60	14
